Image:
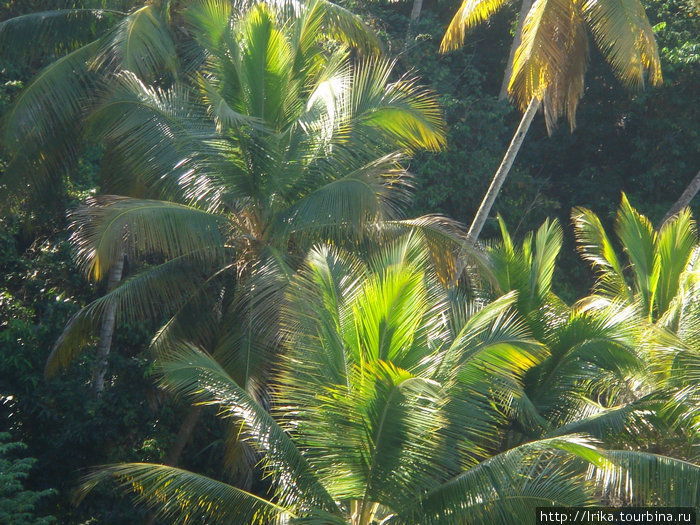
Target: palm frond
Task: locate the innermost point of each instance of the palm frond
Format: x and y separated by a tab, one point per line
676	244
140	43
108	226
640	478
548	34
507	487
150	294
405	111
370	194
191	372
595	247
179	496
469	14
53	32
39	130
162	139
639	242
625	36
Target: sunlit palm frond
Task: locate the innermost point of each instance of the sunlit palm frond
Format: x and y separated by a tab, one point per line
638	239
469	14
676	243
109	226
595	246
566	89
626	38
548	34
189	496
403	110
191	372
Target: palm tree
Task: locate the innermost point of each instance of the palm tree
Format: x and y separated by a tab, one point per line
46	128
609	373
388	407
657	282
551	61
250	170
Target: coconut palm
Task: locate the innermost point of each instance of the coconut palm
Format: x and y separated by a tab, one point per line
45	130
254	167
388	407
658	281
609	373
551	61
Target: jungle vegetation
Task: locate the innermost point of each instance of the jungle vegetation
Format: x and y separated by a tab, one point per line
238	283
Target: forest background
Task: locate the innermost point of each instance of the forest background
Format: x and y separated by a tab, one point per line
644	144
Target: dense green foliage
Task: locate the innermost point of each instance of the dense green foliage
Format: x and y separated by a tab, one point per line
643	144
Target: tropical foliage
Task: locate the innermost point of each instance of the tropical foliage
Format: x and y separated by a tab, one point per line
260	201
389	406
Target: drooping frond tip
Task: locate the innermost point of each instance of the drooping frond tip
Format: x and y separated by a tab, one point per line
469	14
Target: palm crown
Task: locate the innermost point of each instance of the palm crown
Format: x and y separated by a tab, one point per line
275	141
551	60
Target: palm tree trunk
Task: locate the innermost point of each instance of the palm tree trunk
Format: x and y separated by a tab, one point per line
415	11
415	15
524	10
183	436
107	330
502	172
684	200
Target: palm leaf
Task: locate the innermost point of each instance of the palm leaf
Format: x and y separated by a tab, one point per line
109	226
549	32
507	488
147	295
140	43
179	496
639	242
595	247
190	372
469	14
640	478
53	32
676	243
39	130
625	36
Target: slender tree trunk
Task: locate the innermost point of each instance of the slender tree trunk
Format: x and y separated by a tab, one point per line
415	11
524	10
684	200
183	436
107	330
502	172
415	15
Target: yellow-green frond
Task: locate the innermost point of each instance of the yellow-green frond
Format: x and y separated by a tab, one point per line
469	14
624	35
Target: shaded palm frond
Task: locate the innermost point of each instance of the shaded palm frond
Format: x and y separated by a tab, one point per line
187	496
191	372
54	32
